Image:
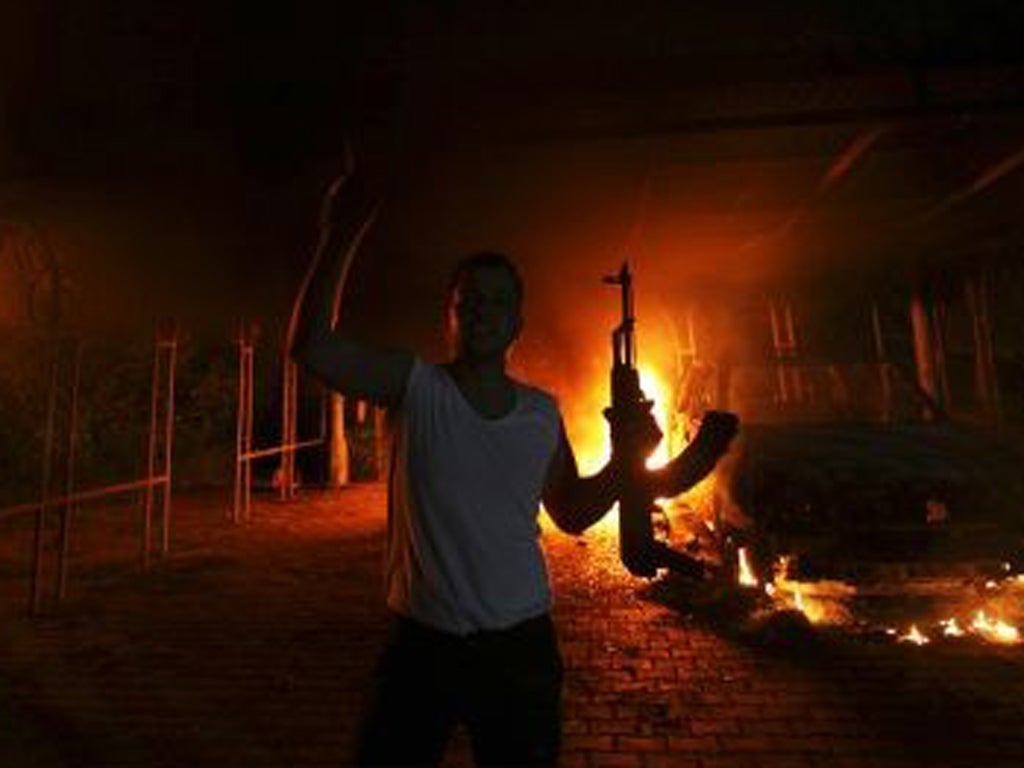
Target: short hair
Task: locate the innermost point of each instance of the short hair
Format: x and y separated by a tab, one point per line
485	260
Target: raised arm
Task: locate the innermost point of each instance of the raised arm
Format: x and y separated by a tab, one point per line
314	340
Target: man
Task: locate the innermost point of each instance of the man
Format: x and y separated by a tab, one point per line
474	454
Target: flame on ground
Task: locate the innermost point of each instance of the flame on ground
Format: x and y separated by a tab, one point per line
824	602
950	628
745	573
914	636
992	630
820	602
995	630
798	601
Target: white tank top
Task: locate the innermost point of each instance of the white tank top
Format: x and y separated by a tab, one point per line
463	550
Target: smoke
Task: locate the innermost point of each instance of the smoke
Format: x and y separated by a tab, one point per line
568	213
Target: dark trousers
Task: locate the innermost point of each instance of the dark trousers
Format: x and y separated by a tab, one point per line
504	686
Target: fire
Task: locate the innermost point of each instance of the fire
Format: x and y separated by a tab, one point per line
950	628
592	443
746	573
798	600
657	390
995	630
914	636
822	602
590	438
817	608
992	630
831	602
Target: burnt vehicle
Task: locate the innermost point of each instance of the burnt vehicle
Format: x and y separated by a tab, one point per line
856	472
875	504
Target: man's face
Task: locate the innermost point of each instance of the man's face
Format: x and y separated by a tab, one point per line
484	314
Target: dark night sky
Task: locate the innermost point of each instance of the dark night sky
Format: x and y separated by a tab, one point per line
178	150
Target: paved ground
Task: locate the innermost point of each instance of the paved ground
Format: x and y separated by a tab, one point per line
253	645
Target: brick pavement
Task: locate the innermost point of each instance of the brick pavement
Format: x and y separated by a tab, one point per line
253	646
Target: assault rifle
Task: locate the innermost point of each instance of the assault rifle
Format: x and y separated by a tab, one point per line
639	550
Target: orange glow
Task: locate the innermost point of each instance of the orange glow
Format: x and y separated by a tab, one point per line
798	600
829	602
821	602
950	628
746	573
914	636
995	630
593	444
657	390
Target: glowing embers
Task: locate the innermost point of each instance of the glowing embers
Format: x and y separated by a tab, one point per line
950	628
821	602
835	604
994	630
745	573
915	636
983	627
657	391
798	601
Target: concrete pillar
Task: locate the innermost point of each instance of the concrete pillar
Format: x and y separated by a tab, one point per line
884	366
787	352
924	356
339	472
939	351
985	380
380	442
289	428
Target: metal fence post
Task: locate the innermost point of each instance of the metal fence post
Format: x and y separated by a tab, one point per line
68	508
36	601
171	345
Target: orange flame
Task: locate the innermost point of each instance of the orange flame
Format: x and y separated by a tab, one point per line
592	443
657	390
798	600
995	630
914	636
591	440
746	573
950	628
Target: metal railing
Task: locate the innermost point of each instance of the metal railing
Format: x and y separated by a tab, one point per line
158	468
245	452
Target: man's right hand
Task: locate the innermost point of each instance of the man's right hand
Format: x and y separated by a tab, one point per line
339	361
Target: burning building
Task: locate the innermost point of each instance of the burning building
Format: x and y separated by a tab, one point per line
821	205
